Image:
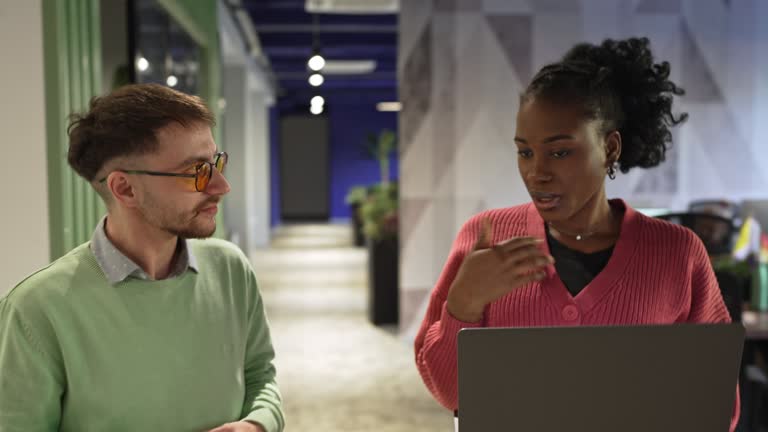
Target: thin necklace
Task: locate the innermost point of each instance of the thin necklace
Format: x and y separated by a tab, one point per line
577	236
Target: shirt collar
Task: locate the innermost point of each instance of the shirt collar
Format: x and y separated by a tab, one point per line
117	267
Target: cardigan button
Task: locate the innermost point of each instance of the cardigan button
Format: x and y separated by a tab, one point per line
570	313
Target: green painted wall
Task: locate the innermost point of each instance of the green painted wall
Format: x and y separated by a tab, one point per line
72	47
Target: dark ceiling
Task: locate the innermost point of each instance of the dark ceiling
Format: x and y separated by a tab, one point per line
287	34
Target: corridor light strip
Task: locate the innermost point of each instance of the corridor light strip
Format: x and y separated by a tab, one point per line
388	106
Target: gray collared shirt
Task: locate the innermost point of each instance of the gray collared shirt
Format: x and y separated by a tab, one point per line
117	267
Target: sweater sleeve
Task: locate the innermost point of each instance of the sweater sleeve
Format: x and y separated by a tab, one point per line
263	402
435	344
707	305
31	381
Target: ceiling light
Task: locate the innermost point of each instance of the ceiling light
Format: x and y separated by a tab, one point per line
142	64
349	67
389	106
316	109
316	79
352	6
318	100
316	63
172	81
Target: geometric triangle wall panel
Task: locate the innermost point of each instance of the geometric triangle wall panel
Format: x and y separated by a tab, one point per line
570	7
697	78
514	33
662	179
416	87
659	7
456	5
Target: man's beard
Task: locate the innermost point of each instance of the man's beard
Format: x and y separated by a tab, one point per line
192	232
179	224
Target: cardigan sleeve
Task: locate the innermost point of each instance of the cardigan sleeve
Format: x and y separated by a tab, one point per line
707	305
435	344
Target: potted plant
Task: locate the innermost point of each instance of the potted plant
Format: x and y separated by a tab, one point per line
379	215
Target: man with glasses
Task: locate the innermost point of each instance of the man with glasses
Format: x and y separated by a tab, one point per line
144	327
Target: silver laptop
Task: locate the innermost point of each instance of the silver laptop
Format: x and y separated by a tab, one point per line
677	378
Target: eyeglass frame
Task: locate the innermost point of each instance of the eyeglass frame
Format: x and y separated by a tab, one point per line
198	167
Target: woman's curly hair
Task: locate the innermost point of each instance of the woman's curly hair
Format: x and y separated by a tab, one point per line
618	83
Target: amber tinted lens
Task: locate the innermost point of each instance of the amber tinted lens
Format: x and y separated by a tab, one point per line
203	176
221	162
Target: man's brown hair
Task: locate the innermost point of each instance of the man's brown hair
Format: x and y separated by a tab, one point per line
125	123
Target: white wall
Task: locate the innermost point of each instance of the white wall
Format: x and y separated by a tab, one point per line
258	174
760	53
246	138
235	138
248	96
24	232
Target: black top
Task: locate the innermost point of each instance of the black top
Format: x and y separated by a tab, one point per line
576	269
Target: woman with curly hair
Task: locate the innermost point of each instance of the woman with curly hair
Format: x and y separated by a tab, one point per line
572	256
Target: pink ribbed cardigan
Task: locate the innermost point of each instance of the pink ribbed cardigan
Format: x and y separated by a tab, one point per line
659	273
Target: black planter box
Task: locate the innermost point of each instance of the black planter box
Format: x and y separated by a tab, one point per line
383	281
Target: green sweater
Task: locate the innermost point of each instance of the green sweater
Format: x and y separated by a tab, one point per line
188	353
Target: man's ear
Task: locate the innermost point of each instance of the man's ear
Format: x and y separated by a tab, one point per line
121	189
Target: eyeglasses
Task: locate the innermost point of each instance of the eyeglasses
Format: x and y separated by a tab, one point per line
202	175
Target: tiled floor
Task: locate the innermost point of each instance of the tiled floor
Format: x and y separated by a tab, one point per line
336	371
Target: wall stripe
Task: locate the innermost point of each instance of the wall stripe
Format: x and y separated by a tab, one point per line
72	43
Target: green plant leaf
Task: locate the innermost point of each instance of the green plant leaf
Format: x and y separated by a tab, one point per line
379	212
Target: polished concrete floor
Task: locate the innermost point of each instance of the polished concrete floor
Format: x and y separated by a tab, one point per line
336	371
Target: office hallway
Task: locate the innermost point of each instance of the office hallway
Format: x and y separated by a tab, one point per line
337	372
